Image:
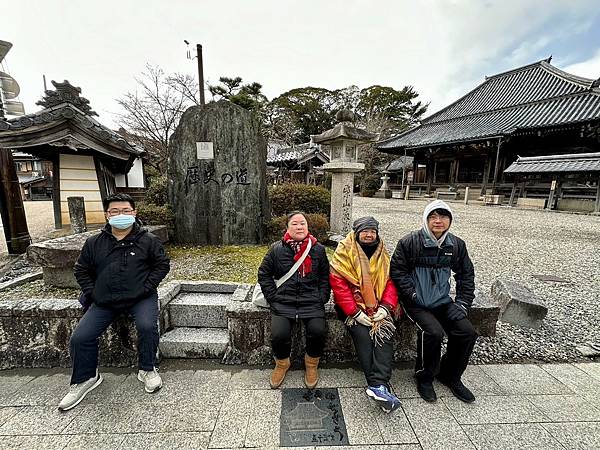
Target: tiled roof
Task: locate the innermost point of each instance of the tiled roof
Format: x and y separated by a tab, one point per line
533	96
582	162
61	113
298	153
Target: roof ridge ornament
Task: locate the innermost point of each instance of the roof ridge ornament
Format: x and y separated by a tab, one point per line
65	92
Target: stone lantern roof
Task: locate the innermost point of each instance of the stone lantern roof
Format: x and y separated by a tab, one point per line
344	130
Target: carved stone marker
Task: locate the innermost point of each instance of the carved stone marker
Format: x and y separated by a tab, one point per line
312	418
223	199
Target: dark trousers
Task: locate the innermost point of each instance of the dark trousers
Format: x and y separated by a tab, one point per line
281	336
375	360
432	324
85	338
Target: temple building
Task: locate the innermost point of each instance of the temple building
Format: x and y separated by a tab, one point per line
532	111
86	157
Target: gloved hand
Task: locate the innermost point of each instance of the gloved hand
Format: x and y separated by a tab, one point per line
363	319
380	314
457	311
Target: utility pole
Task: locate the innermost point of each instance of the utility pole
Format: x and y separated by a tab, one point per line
11	206
200	73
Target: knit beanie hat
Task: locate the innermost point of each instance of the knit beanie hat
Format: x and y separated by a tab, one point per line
365	223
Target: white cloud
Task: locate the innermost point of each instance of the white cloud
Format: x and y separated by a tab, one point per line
442	48
589	68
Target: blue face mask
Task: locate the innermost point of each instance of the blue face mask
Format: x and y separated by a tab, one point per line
122	221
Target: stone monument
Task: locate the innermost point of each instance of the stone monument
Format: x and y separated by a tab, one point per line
217	176
343	141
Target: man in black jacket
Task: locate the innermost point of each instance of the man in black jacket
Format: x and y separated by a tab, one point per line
421	268
119	270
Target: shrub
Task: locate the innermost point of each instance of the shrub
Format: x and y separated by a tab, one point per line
157	191
369	185
318	225
151	214
304	197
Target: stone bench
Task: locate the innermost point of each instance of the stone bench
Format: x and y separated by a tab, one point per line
446	194
57	257
36	332
250	334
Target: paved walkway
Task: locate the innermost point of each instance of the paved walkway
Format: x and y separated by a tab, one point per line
555	406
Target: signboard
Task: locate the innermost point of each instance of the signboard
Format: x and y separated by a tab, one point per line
204	150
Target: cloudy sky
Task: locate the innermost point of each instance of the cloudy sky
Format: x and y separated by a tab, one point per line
443	48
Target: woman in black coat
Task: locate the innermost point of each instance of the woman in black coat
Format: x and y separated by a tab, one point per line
302	296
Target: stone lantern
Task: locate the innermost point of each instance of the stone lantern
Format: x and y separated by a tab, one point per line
343	141
384	191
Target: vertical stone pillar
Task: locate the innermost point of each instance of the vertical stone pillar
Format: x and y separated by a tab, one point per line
342	193
77	214
467	195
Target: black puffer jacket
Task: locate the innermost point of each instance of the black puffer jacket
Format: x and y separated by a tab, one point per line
117	274
421	271
299	297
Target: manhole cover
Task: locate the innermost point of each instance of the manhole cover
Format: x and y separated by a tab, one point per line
312	418
552	278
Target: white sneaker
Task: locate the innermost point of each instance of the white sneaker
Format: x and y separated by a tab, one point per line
151	379
77	392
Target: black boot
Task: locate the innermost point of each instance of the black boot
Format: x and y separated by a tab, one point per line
459	390
426	391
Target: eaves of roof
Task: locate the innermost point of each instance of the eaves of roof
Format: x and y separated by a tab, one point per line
571	163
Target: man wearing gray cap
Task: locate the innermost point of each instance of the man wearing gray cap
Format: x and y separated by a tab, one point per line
421	268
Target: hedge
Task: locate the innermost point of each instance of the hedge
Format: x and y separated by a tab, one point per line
318	226
299	197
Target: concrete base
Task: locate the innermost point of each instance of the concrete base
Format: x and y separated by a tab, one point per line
572	204
60	277
383	194
531	203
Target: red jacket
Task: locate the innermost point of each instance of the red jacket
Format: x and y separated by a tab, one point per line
343	297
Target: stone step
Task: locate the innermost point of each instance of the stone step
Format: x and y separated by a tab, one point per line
194	343
198	309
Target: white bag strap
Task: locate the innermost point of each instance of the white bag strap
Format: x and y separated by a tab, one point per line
294	267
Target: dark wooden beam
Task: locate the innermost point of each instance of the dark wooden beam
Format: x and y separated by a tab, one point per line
14	220
56	191
496	166
487	166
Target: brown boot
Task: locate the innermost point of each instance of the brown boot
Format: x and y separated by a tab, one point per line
311	375
278	374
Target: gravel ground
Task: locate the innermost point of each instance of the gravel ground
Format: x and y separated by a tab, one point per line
503	243
516	244
40	223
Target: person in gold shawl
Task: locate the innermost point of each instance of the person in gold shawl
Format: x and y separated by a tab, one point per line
367	300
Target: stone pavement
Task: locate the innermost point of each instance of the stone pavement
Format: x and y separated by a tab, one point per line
525	406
